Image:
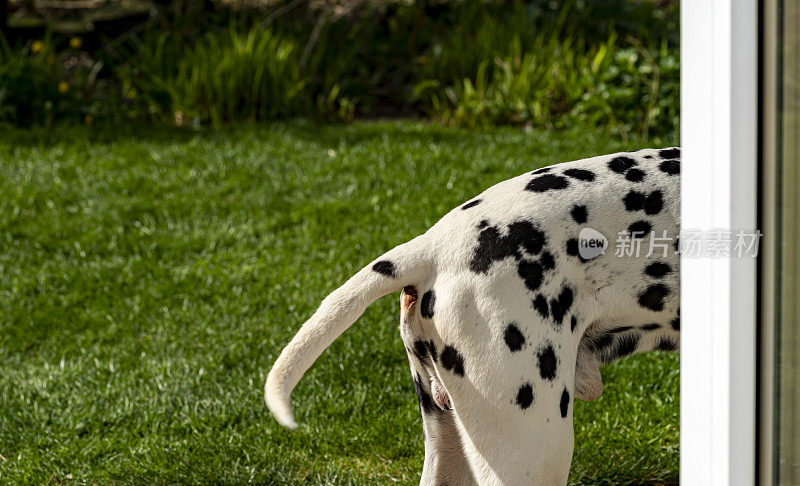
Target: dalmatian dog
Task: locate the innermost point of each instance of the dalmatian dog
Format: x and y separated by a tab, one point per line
506	318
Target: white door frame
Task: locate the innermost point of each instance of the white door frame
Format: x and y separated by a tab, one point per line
719	109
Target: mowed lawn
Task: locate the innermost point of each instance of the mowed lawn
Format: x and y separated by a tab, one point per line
149	276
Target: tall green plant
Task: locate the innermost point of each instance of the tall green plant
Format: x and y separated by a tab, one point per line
253	75
145	79
228	75
539	82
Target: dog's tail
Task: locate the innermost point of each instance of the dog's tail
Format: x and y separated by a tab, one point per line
407	264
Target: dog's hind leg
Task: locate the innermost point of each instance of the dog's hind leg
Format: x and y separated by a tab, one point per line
510	378
445	460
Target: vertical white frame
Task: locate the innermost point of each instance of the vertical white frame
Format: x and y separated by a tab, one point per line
719	109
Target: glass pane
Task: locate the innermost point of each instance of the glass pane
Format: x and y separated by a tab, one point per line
787	298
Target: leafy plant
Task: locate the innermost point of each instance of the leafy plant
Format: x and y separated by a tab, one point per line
28	83
39	84
509	71
634	89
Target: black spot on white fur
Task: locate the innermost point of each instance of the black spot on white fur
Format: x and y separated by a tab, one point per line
525	396
492	246
427	304
561	305
547	361
626	344
635	175
547	261
513	337
652	297
621	164
640	229
670	153
601	342
531	273
452	360
424	399
579	214
421	350
564	404
432	351
547	182
628	167
580	174
620	329
657	269
666	344
572	249
471	204
634	201
651	203
385	267
671	167
540	304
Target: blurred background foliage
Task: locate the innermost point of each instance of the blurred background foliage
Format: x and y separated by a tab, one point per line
610	63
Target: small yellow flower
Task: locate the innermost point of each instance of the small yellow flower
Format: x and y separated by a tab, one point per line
37	47
63	87
75	42
88	119
131	94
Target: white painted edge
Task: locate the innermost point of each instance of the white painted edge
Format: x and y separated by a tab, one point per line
719	67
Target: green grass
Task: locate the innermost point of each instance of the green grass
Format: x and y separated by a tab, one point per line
151	275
